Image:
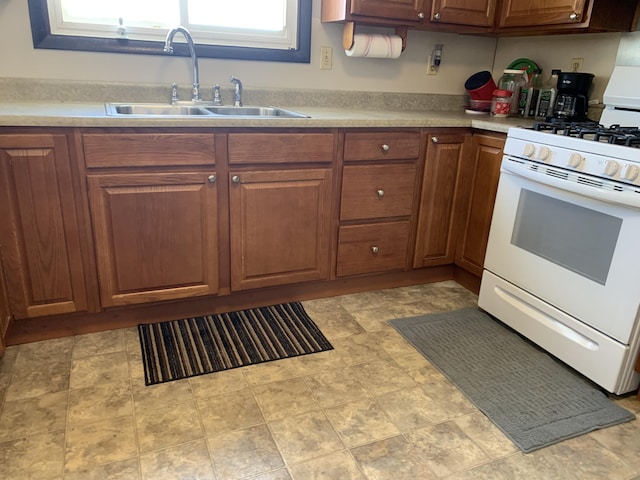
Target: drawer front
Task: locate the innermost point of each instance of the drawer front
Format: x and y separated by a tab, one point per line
377	191
372	248
381	146
252	148
148	149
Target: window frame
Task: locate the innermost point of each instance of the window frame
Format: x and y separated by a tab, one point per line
43	38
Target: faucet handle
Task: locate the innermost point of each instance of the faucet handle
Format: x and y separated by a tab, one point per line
217	99
238	93
174	93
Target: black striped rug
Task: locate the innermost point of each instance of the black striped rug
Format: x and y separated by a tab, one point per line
195	346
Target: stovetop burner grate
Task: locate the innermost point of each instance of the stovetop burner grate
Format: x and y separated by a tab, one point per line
590	130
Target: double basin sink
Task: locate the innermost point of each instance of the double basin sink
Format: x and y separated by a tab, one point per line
199	110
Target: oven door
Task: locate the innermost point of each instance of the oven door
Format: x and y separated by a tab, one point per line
573	249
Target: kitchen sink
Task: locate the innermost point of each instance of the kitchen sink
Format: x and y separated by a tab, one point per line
255	112
204	109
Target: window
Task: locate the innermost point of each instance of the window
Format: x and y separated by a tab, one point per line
272	30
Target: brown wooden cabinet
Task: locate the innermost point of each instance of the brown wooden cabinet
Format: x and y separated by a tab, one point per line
395	12
479	182
39	230
377	201
155	235
436	237
463	12
279	226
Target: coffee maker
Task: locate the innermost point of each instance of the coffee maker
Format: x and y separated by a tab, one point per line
572	100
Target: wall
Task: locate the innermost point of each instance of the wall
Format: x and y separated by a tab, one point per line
463	56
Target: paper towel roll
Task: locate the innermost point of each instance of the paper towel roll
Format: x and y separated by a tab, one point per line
375	46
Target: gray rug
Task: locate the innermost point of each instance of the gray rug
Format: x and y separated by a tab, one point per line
529	395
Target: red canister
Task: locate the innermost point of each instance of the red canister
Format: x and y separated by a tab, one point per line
501	103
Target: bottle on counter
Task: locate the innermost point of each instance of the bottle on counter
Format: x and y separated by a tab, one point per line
529	94
547	97
501	103
514	81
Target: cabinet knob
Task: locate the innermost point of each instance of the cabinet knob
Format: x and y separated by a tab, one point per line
434	139
211	178
385	147
380	194
375	250
421	15
573	17
235	179
436	16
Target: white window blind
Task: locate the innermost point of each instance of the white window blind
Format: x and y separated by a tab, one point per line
244	23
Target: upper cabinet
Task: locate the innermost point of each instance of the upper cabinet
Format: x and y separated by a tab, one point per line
380	12
493	17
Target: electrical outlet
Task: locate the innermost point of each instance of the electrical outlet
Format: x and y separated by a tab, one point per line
576	64
431	68
326	58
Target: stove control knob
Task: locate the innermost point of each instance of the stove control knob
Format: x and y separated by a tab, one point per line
575	160
611	168
528	150
544	153
630	172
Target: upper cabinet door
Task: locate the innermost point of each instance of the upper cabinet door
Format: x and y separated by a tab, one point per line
524	13
396	9
463	12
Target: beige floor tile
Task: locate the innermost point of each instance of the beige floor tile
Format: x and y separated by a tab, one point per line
361	422
189	461
284	399
22	418
393	458
88	405
319	362
335	387
38	457
35	379
338	465
6	365
304	437
446	448
228	412
168	426
280	474
161	395
623	440
448	398
411	408
37	354
337	323
244	453
419	368
123	470
382	376
99	369
99	343
136	367
218	383
486	435
273	371
358	349
99	443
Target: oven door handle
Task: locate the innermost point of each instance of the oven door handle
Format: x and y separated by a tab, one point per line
625	198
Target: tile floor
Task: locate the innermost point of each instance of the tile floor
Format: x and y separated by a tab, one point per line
373	408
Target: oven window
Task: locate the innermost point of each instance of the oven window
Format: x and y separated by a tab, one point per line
576	238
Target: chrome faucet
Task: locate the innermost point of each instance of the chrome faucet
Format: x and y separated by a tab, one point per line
237	98
168	48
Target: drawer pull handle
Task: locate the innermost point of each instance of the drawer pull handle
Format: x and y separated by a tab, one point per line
385	147
573	17
375	250
437	16
434	139
211	178
421	15
380	194
235	179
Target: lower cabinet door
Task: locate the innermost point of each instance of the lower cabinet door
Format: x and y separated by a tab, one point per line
279	227
372	248
156	236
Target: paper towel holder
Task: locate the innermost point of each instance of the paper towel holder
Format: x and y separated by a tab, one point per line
349	31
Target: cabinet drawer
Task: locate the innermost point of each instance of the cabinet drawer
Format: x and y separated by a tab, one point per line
148	149
381	145
372	248
376	191
251	148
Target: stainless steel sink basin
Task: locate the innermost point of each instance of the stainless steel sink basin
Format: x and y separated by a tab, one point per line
255	112
168	110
